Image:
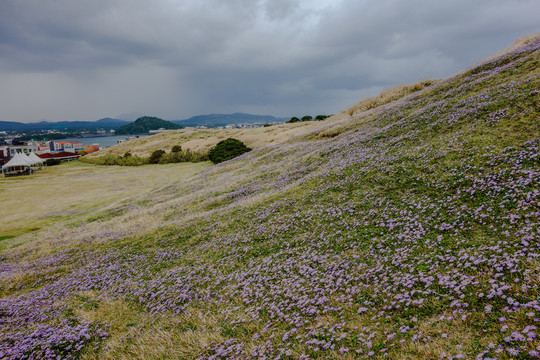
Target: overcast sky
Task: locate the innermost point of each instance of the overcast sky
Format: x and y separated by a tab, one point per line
84	60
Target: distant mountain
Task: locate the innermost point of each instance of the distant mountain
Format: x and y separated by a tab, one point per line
105	123
146	123
11	126
215	120
211	120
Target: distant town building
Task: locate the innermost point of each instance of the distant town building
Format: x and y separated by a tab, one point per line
63	150
43	146
71	146
8	151
27	148
91	148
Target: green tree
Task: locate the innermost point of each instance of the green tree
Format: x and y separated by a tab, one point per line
293	120
226	150
307	118
321	117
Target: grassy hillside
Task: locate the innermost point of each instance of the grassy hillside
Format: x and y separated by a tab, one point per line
202	140
406	230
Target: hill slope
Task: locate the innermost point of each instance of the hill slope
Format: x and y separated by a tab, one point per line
409	230
204	139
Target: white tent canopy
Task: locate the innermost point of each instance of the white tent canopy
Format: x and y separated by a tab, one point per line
36	159
25	157
18	160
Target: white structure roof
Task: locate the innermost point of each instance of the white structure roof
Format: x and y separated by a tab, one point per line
18	160
36	159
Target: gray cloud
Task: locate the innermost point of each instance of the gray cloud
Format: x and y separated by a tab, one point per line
80	60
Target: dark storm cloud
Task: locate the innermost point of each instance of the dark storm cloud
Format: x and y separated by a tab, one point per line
80	60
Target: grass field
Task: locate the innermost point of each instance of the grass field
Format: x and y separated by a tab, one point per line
71	191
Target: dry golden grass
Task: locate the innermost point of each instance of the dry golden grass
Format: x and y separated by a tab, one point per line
201	140
136	334
387	96
74	189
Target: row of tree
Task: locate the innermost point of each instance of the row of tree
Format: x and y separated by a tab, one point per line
307	118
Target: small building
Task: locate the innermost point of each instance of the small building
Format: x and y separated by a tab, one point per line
72	146
44	146
22	164
27	148
90	148
8	151
62	155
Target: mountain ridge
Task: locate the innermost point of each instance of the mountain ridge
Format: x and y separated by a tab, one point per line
106	123
210	120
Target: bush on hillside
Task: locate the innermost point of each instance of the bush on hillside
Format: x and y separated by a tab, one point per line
226	150
176	149
293	120
156	156
183	156
111	159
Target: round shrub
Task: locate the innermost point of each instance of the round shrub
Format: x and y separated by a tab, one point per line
226	150
156	156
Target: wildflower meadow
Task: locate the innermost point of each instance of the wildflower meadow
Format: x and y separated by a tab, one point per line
407	231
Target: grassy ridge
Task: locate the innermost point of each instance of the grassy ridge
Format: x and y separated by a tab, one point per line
409	230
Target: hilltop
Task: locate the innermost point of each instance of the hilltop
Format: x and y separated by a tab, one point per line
404	227
144	124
